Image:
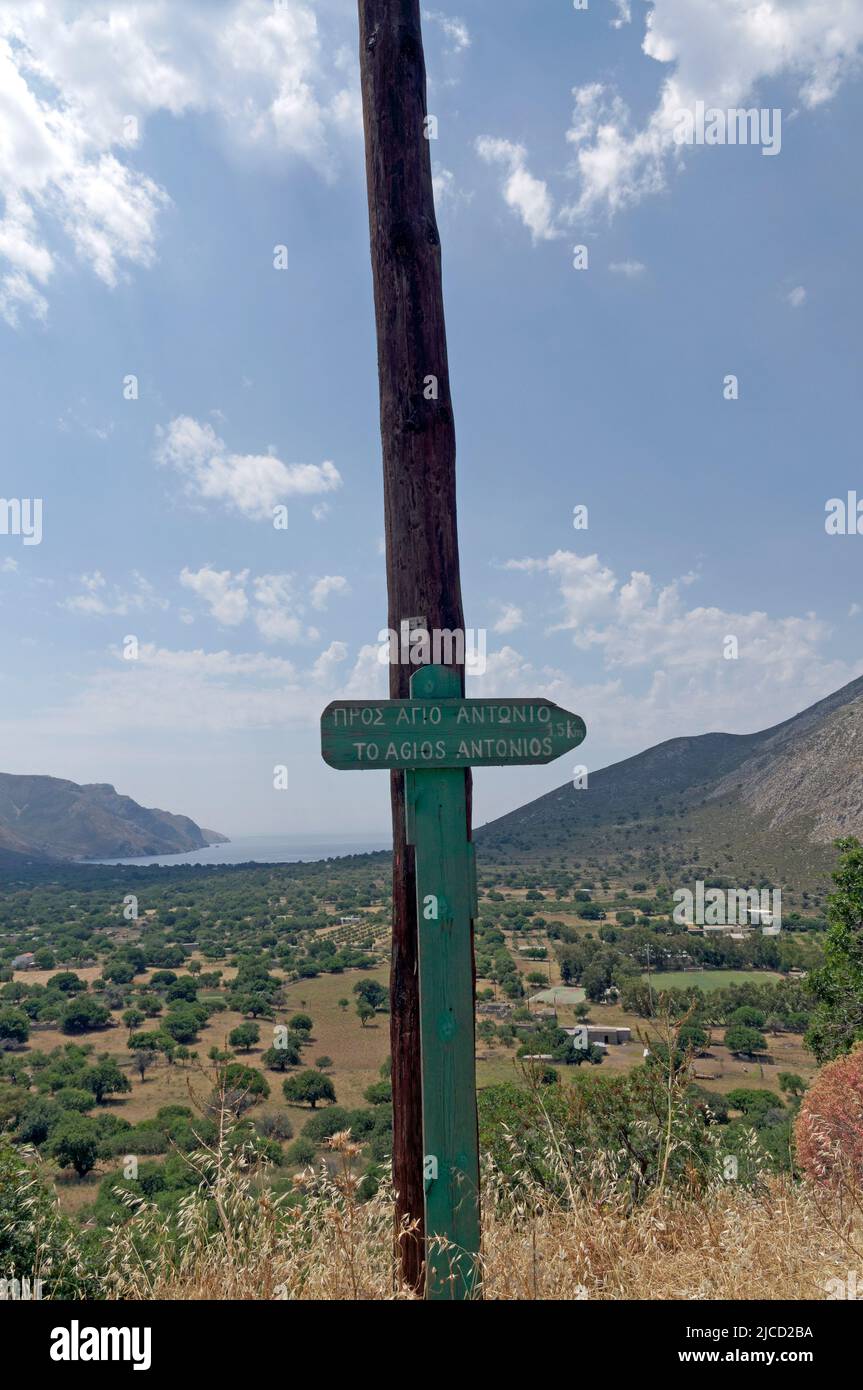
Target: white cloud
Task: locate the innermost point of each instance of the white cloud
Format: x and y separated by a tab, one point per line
631	269
624	14
272	601
677	679
8	566
326	665
797	297
192	691
329	584
527	196
586	585
100	599
252	484
455	30
448	195
720	52
223	593
80	78
510	619
635	623
443	185
278	611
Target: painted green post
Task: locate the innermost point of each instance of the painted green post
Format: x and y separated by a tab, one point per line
434	736
446	903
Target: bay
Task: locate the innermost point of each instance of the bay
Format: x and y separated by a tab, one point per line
267	849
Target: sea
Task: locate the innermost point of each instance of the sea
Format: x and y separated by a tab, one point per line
266	849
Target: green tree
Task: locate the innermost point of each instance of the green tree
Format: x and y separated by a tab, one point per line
837	1023
365	1012
791	1084
83	1015
143	1059
309	1087
75	1143
280	1058
38	1118
244	1036
379	1093
373	993
243	1087
106	1078
14	1026
746	1041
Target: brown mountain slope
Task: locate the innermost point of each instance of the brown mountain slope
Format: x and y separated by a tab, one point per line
47	817
758	805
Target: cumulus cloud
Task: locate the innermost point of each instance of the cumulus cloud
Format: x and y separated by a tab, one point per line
188	691
797	297
251	484
278	610
97	598
223	593
651	663
273	602
455	30
586	585
720	52
80	78
510	619
663	657
528	196
724	53
329	584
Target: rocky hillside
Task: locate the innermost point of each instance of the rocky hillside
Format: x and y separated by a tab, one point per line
44	818
748	806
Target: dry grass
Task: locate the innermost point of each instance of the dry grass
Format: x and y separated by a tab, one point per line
235	1240
729	1245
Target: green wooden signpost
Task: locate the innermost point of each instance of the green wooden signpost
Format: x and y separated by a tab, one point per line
434	735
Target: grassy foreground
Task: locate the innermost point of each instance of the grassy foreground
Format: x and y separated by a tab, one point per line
785	1242
232	1238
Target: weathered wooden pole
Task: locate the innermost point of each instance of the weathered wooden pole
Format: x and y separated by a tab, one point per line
418	438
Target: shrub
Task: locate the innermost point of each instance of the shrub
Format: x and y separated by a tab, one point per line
829	1128
301	1152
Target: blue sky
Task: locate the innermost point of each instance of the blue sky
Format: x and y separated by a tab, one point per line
154	156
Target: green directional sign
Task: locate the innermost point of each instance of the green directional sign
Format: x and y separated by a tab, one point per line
432	736
441	733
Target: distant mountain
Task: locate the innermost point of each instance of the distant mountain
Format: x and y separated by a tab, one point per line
747	806
45	818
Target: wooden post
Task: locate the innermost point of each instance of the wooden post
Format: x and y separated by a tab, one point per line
418	438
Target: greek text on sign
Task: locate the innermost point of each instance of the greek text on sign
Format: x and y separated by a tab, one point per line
446	733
